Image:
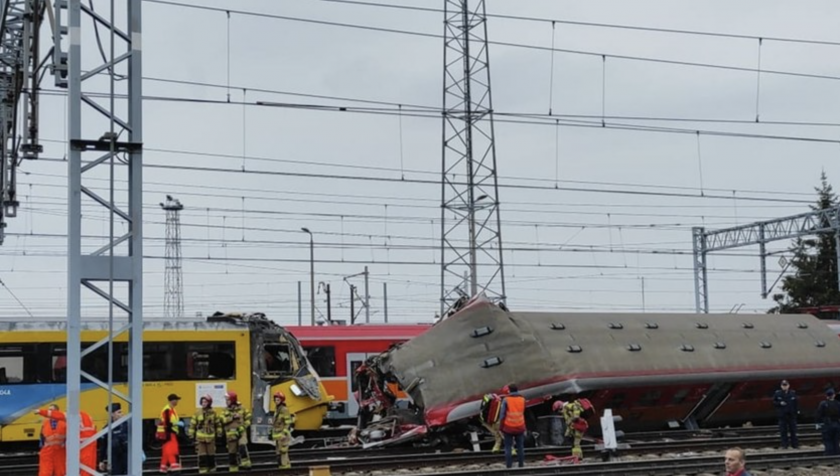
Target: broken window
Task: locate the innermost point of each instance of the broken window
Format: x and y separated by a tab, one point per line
277	358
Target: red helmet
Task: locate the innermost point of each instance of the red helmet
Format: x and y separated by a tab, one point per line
280	395
231	397
208	398
558	405
505	390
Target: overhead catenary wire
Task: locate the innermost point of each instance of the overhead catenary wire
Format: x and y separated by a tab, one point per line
498	43
600	24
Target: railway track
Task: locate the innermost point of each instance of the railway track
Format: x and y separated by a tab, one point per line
354	460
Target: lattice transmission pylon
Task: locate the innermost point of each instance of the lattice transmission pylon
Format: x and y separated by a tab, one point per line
471	239
173	303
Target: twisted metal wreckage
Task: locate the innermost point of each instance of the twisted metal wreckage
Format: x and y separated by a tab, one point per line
652	369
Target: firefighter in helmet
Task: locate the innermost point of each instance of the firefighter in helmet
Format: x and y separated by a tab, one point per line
281	432
205	426
236	420
576	425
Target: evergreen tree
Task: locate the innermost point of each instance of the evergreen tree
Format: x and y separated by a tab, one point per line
814	282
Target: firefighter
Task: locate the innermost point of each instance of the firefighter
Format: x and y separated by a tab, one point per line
512	425
167	432
489	415
282	431
576	425
52	457
205	426
236	420
87	455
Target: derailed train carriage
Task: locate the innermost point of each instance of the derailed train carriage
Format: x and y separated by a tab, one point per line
655	370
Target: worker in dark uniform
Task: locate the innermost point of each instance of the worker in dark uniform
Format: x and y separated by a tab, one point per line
787	409
118	464
828	416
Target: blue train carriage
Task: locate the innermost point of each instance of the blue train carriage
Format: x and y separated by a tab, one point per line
248	354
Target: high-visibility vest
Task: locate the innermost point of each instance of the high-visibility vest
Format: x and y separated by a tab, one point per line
87	428
54	433
162	428
514	422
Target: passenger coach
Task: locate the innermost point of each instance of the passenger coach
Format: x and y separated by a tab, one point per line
248	354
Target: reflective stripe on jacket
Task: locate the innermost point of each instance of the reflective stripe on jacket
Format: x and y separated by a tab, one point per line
205	426
236	420
168	422
283	421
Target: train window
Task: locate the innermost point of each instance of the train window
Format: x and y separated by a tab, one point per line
322	359
617	400
650	398
634	347
210	360
17	364
558	326
159	362
58	361
278	358
679	396
96	362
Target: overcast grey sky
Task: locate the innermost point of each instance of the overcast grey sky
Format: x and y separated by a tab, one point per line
568	250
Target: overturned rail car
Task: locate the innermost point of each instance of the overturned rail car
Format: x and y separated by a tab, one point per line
652	369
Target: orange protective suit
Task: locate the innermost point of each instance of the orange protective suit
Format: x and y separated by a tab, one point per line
168	428
87	455
52	457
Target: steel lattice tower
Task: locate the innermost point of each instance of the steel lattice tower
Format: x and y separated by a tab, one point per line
97	56
471	237
173	304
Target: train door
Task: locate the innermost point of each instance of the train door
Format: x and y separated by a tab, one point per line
354	361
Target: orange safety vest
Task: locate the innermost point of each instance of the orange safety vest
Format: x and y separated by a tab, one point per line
88	428
161	434
514	422
54	436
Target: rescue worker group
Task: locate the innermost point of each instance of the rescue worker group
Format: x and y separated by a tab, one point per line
504	417
206	426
